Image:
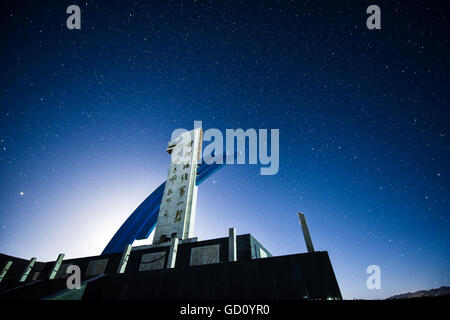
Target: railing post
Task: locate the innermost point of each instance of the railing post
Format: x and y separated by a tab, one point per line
5	270
124	259
306	235
56	266
172	253
25	274
232	248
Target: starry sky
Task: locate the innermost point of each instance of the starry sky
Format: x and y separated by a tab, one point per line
85	117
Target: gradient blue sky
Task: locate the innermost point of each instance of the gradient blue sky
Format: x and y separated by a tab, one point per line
85	117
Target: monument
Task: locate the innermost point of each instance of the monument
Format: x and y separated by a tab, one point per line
176	265
177	210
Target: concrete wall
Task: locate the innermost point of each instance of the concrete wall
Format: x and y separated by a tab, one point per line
301	276
247	248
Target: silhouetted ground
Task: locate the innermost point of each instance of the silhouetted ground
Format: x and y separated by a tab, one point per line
442	292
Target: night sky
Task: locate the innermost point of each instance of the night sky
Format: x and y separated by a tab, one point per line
85	117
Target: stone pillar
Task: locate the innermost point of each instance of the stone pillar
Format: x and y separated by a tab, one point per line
232	248
177	211
25	274
124	260
56	266
172	253
5	270
306	235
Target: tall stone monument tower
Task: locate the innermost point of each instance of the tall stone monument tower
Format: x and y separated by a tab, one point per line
177	210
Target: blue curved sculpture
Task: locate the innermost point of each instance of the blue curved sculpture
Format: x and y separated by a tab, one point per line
143	220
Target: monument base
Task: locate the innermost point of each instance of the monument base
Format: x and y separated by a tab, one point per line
202	272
